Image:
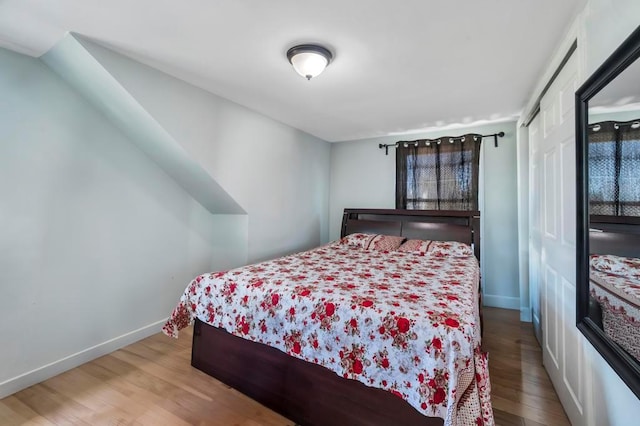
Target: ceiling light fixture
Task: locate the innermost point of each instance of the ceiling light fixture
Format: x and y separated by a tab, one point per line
309	60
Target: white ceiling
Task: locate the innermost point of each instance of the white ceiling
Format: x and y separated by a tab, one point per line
399	66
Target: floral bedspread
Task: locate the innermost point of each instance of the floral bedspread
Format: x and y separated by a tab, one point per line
619	298
398	321
627	289
619	275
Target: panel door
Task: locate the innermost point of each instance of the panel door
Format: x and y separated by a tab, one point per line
554	164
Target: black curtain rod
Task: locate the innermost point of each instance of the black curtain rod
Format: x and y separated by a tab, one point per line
634	124
438	140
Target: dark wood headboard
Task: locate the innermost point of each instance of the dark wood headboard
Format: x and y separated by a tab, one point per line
437	225
618	235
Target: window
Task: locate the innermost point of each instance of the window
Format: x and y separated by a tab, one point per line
614	178
438	174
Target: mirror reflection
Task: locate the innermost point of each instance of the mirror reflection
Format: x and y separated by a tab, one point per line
614	210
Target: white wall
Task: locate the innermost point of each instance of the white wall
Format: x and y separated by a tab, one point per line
606	24
615	116
600	28
522	152
96	242
278	174
363	177
71	61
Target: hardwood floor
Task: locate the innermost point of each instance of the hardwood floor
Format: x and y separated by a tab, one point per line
521	391
152	383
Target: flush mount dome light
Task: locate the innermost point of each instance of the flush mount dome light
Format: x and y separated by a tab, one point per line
309	60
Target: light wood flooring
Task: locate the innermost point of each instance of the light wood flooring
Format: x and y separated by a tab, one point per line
521	391
152	383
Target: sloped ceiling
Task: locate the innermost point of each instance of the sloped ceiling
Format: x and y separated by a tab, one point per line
399	66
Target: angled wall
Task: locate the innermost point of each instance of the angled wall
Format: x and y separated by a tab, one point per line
119	185
80	70
278	174
97	242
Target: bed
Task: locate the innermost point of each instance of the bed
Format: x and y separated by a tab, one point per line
614	288
423	372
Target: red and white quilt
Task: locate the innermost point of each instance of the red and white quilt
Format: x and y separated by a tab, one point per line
393	320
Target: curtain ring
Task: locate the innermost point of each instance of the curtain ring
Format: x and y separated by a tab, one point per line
462	140
635	124
475	139
596	128
616	126
439	141
406	145
428	143
415	143
450	140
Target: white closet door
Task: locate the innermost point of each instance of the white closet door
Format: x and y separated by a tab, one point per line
553	188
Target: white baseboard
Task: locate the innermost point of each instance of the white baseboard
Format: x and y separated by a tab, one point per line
525	314
15	384
504	302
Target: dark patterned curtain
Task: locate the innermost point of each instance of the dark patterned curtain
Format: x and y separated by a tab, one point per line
614	168
440	174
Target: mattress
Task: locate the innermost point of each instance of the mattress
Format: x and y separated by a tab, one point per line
619	299
395	320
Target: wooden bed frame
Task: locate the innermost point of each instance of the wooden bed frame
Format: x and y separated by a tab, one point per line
437	225
310	394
